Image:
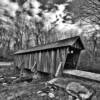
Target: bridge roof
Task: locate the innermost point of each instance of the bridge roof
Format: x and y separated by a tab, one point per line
58	44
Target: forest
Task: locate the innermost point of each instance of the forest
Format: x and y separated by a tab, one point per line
28	23
25	24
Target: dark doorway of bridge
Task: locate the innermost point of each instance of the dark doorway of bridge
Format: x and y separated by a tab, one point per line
69	64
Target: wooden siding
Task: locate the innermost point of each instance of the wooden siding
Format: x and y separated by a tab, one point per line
47	61
78	44
48	57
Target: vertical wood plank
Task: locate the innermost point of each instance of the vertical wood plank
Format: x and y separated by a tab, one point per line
36	58
32	59
62	58
29	61
43	61
39	61
48	61
53	62
19	61
41	66
57	59
25	61
58	71
30	56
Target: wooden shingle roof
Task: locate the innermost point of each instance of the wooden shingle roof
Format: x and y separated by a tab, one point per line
53	45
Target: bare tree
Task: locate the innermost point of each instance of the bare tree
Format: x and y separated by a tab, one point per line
90	14
90	10
21	33
4	37
41	35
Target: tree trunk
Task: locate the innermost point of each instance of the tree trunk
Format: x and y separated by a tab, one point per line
36	40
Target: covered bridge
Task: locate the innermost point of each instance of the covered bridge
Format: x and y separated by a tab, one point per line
49	57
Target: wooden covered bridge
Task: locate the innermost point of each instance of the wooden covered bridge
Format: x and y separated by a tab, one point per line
50	58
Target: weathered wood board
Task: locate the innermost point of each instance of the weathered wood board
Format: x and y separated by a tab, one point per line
47	57
83	74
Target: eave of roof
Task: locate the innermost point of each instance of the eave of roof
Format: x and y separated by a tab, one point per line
61	43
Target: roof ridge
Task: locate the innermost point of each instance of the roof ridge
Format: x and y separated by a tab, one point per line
52	45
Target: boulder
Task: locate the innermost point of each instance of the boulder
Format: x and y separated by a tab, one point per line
80	91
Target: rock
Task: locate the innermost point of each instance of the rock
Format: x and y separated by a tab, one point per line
36	76
23	79
46	89
52	81
10	97
14	96
49	91
4	84
1	78
13	77
41	93
94	97
51	95
79	91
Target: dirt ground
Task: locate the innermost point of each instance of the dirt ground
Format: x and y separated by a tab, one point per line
21	90
28	90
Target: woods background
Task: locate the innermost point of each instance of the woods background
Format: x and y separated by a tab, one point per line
28	23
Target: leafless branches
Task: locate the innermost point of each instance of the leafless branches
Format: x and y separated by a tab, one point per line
91	10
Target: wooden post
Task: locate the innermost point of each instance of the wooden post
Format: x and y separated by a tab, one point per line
21	68
33	68
58	69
